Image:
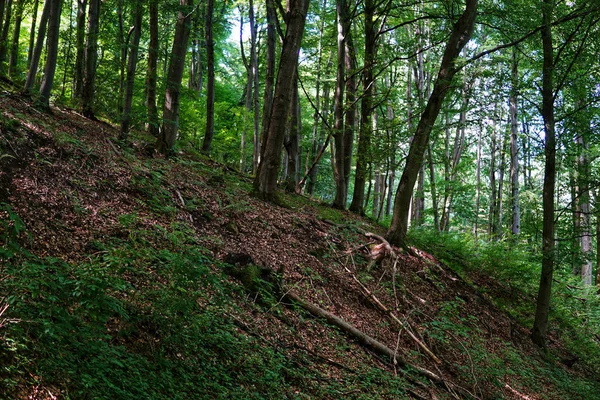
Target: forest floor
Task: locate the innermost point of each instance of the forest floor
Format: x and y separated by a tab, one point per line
127	275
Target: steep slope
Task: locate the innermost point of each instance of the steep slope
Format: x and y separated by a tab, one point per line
130	276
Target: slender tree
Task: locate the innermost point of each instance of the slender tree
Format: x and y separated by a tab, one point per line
514	146
37	52
13	62
210	81
4	34
168	134
91	56
131	67
540	324
152	70
32	32
265	183
52	53
460	35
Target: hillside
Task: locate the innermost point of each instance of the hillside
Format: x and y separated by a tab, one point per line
126	276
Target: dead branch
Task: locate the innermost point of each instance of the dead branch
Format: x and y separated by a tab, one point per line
389	312
362	338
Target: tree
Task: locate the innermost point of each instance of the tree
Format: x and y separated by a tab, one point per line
152	71
51	57
210	81
460	35
265	183
37	52
168	134
13	62
131	67
514	146
91	57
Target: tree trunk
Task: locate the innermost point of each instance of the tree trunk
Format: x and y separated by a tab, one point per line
13	62
210	81
32	32
540	324
366	109
338	172
91	56
151	72
79	70
583	202
460	35
260	142
292	141
514	148
265	183
37	52
52	53
168	134
131	67
4	34
500	202
477	186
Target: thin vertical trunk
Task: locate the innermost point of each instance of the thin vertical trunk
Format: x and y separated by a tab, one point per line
493	196
363	156
13	62
80	55
210	81
131	67
292	141
151	72
500	202
350	125
4	34
168	135
265	183
376	193
259	142
514	148
91	56
52	53
123	42
583	201
338	127
37	52
540	324
477	187
32	32
434	200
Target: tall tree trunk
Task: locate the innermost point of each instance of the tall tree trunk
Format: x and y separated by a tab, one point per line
583	202
514	147
151	72
37	52
493	212
460	35
500	202
366	109
477	186
4	34
260	142
434	199
540	324
292	141
79	71
131	67
52	54
32	32
13	62
350	125
265	183
338	172
210	81
91	56
168	135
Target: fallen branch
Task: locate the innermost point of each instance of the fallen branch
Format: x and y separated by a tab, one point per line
362	337
394	318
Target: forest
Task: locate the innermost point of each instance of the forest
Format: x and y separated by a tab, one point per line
445	140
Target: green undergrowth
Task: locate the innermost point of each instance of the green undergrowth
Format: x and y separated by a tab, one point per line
147	316
512	273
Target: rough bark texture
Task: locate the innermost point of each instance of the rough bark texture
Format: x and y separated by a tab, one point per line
514	148
4	34
460	35
265	183
51	53
34	17
131	67
91	56
168	134
151	73
13	62
37	52
259	142
79	69
209	131
540	324
366	110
